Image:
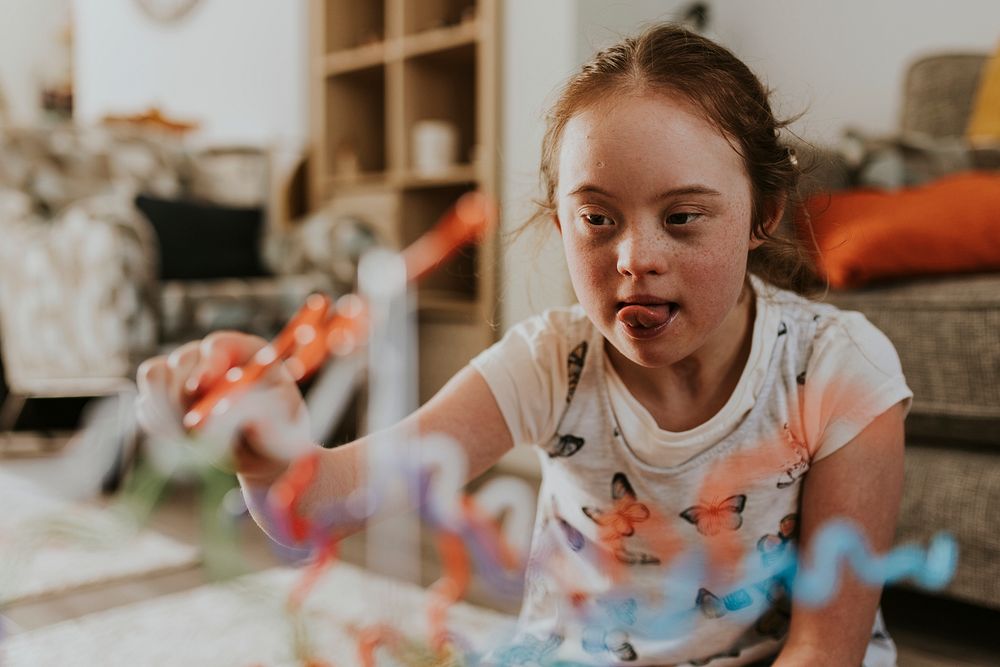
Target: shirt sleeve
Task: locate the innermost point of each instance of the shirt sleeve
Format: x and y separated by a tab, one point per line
526	373
854	376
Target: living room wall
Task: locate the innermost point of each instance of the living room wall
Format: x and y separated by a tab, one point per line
842	62
30	33
237	67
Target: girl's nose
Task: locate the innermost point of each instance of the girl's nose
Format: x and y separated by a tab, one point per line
641	254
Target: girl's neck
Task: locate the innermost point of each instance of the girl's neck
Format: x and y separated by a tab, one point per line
692	391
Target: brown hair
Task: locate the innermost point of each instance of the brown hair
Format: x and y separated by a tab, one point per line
670	58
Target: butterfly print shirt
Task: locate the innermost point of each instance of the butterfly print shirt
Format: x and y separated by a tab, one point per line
640	564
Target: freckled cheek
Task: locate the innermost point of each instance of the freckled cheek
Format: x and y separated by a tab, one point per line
590	273
714	276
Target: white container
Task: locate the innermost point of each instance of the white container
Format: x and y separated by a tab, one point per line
435	146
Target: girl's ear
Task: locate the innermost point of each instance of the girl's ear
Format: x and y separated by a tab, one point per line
775	212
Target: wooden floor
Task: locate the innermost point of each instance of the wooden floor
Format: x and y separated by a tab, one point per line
930	632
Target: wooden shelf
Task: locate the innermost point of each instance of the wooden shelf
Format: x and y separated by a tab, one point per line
380	68
361	181
450	304
457	175
440	39
378	53
362	57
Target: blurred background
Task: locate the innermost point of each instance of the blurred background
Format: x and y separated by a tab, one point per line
172	167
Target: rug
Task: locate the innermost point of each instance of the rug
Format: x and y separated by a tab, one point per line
50	546
244	623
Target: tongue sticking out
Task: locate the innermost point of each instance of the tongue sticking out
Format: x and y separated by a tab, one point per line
645	317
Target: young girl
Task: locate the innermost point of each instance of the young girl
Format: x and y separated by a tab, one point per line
688	405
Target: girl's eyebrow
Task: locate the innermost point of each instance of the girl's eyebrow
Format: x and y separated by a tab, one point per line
588	188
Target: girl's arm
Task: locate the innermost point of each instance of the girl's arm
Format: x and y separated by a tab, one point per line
861	482
463	409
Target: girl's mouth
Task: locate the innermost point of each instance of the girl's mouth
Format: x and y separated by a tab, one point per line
646	320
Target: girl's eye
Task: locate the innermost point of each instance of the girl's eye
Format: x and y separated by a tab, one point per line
597	220
679	219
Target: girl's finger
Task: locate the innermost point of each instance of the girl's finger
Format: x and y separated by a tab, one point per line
152	420
153	408
218	353
180	365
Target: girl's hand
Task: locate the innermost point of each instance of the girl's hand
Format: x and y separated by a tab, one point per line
262	429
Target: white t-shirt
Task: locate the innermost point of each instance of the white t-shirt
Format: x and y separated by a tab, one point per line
854	375
652	547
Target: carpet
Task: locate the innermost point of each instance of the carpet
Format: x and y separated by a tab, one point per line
243	623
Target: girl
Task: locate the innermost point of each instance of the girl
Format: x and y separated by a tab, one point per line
694	419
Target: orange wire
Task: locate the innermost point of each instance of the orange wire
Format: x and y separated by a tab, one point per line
450	588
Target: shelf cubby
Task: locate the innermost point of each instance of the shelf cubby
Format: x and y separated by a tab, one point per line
377	68
350	24
423	15
422	207
442	86
355	125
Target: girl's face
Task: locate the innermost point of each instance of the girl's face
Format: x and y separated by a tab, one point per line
654	211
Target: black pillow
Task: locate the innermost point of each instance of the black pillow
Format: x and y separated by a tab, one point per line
201	241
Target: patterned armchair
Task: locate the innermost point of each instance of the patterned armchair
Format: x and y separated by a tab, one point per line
83	298
77	264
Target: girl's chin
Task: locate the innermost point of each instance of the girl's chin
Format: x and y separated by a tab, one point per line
648	354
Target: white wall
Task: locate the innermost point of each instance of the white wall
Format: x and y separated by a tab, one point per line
29	31
842	62
238	67
538	51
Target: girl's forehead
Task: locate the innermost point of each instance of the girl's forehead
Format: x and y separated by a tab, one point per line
635	138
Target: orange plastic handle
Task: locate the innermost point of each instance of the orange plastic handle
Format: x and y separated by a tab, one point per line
319	330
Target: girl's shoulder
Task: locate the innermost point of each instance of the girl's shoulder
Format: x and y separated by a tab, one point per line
847	370
824	323
528	369
553	332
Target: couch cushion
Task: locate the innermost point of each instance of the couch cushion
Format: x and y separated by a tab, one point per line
951	225
199	241
947	333
956	490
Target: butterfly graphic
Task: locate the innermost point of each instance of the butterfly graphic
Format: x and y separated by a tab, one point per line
774	623
529	650
573	536
713	518
596	640
620	522
575	364
734	653
627	557
568	446
771	547
776	591
622	611
714	607
783	329
798	465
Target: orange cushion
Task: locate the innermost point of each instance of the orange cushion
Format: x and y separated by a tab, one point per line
950	225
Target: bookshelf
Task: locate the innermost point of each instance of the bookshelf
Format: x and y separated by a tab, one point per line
378	69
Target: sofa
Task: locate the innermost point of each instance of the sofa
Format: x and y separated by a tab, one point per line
120	243
946	328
